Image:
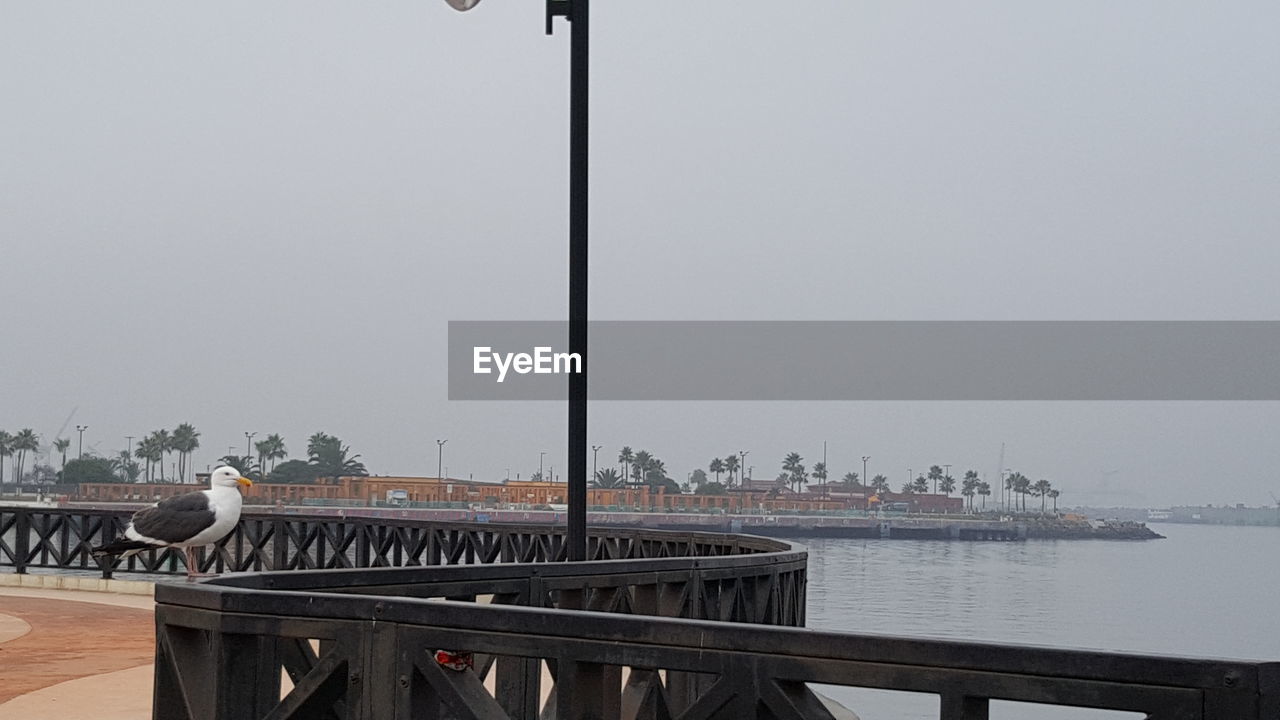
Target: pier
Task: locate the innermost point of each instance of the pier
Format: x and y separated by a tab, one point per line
653	625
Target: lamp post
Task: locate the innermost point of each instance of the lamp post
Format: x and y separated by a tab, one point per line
130	439
541	454
248	444
80	446
577	12
595	454
742	464
440	457
865	480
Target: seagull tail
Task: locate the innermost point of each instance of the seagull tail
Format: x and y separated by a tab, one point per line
122	546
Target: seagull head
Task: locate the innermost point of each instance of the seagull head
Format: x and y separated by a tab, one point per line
227	476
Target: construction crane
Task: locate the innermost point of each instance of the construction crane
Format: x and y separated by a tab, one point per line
45	451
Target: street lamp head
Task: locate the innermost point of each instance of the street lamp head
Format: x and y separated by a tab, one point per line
462	5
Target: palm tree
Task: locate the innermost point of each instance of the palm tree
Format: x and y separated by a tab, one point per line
244	464
262	447
61	445
921	485
625	456
125	467
909	487
6	449
850	480
796	475
331	458
24	442
935	474
139	451
819	472
607	478
150	451
731	466
984	489
1041	489
655	473
1023	487
275	449
1010	483
717	467
185	440
1054	493
947	485
640	466
880	484
969	488
162	443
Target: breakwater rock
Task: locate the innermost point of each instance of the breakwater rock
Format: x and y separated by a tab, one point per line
1090	530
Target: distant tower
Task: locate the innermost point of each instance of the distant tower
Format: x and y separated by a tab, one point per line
1000	475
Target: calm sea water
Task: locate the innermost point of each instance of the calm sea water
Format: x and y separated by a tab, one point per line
1204	591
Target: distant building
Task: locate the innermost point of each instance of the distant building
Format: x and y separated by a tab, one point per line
757	496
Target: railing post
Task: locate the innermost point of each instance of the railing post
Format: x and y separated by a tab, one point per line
21	540
279	544
362	542
247	672
587	691
958	706
108	530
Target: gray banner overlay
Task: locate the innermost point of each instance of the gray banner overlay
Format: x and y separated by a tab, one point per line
881	360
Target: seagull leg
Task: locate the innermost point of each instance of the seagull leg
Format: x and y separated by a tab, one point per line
193	566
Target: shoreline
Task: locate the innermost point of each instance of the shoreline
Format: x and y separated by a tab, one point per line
887	527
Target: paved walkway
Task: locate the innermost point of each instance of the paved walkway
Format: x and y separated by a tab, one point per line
75	654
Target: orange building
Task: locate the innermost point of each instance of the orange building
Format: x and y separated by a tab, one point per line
368	490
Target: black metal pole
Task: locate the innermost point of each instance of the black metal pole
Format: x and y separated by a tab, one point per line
578	61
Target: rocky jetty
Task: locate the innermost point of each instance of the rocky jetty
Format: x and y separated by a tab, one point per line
1060	529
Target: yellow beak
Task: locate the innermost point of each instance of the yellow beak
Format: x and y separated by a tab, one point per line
245	481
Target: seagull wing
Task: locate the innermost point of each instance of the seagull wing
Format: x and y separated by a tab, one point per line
175	519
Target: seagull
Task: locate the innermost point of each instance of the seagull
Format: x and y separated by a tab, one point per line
186	521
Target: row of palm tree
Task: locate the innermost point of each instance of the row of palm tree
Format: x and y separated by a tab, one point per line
1019	486
730	464
327	457
271	448
154	449
642	468
17	446
638	468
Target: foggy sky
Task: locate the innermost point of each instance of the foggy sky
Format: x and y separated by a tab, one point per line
260	217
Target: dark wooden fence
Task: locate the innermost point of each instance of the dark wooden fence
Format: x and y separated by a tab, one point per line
657	625
568	641
61	538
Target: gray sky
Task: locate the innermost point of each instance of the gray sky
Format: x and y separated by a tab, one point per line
261	217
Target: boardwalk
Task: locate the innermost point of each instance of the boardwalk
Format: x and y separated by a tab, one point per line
75	654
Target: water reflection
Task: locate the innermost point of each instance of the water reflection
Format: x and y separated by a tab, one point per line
1204	591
